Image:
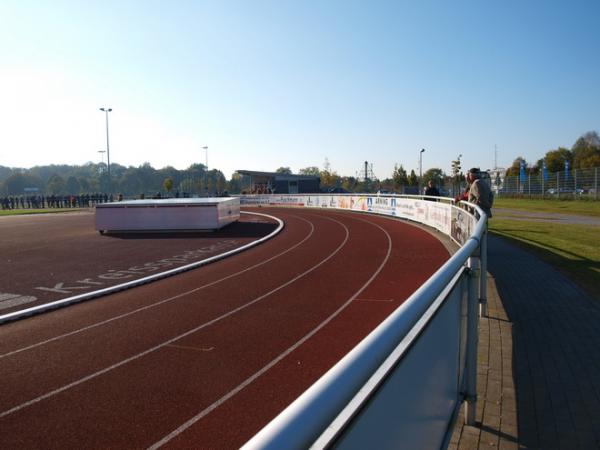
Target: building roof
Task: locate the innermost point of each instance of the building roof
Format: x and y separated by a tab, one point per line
279	176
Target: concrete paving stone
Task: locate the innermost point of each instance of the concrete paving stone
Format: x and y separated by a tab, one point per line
506	444
543	356
469	439
488	441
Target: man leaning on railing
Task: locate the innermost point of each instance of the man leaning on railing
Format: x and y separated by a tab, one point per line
479	192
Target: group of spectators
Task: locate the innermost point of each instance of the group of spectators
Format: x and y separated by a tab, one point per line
53	201
262	189
477	191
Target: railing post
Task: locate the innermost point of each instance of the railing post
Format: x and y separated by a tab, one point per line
483	310
596	184
472	343
543	187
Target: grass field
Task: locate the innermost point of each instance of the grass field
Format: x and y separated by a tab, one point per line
573	249
575	207
16	212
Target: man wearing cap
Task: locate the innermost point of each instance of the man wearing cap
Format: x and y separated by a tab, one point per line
479	192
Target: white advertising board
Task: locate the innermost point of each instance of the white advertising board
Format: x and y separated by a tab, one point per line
437	215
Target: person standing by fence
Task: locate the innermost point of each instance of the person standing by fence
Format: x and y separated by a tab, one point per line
479	192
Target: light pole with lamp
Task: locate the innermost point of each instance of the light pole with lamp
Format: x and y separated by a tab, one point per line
106	111
421	168
205	148
102	152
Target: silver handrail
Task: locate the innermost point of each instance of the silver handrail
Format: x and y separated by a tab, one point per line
302	422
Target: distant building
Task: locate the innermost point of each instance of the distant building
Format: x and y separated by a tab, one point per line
497	179
254	182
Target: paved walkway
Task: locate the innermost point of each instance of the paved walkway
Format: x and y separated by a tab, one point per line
539	359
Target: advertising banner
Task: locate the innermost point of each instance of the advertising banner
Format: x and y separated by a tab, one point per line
462	225
448	219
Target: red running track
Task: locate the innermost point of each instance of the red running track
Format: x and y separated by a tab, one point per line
206	358
45	258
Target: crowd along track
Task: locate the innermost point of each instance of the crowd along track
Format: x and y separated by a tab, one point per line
205	358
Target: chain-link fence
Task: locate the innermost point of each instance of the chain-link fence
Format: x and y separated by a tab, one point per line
577	184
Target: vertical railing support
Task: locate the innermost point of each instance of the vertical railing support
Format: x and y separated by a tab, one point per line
472	342
483	310
543	187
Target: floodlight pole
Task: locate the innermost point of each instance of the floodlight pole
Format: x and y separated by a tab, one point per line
106	111
421	168
206	169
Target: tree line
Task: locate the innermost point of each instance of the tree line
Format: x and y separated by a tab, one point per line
130	181
196	180
584	154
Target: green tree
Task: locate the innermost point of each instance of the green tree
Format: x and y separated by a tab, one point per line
72	186
313	170
55	185
349	183
235	184
329	180
16	183
130	183
586	151
186	186
555	161
413	180
168	184
284	170
85	184
400	177
515	168
435	174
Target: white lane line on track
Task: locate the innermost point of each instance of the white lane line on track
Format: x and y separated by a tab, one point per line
176	338
249	380
387	300
167	300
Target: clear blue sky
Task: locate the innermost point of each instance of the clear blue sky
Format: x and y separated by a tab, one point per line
266	84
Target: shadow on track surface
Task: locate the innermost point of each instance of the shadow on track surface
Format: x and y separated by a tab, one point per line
234	230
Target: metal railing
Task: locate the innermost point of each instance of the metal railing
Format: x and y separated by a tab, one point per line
403	385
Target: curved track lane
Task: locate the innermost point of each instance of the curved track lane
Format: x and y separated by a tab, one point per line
206	358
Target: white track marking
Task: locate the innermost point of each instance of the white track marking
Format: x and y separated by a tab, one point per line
176	338
167	300
388	300
256	375
11	300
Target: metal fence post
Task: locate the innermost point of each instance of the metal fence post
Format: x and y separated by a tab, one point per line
557	184
543	188
596	184
483	310
472	343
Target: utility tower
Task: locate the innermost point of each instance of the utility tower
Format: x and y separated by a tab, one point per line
366	173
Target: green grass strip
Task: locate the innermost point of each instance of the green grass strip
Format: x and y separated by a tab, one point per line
575	207
20	212
571	248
